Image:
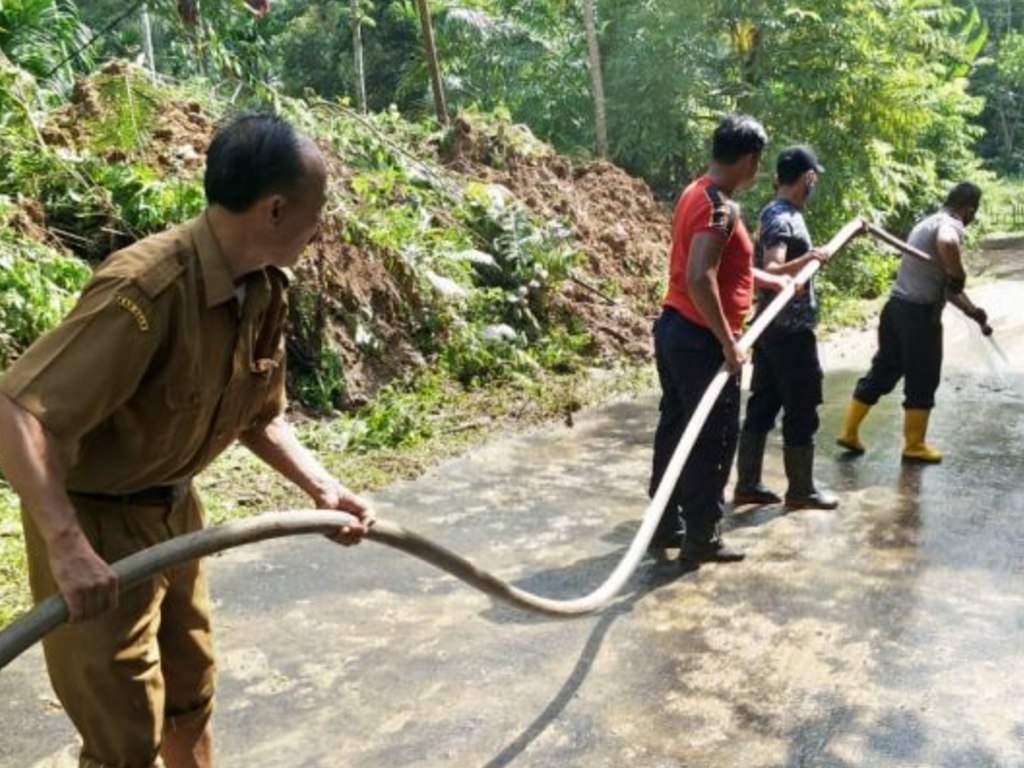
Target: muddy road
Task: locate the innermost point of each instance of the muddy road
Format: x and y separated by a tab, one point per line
889	633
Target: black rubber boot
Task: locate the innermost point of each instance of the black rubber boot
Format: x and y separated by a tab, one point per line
707	548
749	460
802	493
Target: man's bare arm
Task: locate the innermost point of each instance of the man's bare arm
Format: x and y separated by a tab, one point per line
276	444
950	258
947	242
775	260
702	281
30	459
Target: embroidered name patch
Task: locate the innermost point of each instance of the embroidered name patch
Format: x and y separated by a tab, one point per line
134	310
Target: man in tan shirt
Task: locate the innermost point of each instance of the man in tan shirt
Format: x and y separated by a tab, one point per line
174	351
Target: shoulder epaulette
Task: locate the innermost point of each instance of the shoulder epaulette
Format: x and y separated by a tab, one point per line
152	264
159	275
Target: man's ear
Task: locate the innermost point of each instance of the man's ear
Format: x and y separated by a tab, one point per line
267	211
275	209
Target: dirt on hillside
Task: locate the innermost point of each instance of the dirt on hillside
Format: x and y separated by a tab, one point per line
625	233
366	301
176	145
370	296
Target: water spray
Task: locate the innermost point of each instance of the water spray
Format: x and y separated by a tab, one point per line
995	358
997	363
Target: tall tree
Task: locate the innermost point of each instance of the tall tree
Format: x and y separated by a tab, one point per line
147	39
596	78
430	48
659	125
357	50
1003	86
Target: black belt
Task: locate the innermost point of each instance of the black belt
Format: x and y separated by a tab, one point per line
158	496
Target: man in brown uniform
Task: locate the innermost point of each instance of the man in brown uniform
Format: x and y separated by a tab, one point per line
173	352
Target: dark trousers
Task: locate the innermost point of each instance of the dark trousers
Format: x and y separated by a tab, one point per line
688	357
909	347
787	377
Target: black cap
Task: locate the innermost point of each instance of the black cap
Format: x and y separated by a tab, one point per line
794	161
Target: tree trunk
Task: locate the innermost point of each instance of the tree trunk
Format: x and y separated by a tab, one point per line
147	39
357	47
1007	137
597	82
432	63
199	40
1014	132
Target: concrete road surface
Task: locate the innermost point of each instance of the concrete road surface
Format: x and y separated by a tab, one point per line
889	633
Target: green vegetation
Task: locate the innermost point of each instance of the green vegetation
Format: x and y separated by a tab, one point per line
900	97
1002	208
999	79
37	287
471	268
476	263
14	595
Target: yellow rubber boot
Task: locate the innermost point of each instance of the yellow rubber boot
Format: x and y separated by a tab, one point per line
849	438
915	427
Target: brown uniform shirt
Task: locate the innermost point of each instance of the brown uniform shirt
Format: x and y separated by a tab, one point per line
160	365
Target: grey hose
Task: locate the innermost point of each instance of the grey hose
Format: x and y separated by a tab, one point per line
143	565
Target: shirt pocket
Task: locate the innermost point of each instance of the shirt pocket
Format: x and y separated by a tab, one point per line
190	410
266	369
189	396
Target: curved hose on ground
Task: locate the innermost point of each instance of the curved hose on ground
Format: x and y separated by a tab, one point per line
143	565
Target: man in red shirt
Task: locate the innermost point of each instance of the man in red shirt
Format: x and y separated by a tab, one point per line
710	288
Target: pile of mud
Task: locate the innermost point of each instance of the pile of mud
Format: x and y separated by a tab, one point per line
121	118
623	231
371	301
360	304
174	141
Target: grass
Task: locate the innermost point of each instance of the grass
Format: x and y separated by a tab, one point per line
1002	207
845	312
13	571
238	485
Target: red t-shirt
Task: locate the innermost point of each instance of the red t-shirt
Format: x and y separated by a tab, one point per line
703	207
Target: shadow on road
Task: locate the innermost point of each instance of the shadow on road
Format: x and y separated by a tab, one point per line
648	578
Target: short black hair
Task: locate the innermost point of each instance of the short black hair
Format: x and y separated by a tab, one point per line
253	155
964	195
736	137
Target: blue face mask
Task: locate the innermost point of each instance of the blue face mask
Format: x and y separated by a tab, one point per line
809	190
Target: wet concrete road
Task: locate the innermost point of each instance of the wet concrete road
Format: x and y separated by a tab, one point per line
889	633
